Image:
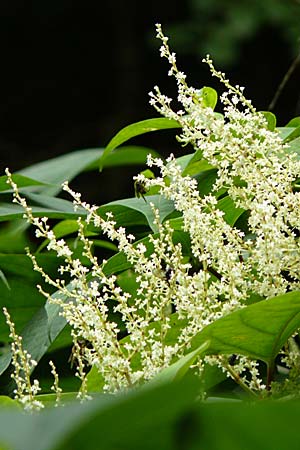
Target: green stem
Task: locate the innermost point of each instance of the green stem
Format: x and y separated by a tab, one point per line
270	374
239	381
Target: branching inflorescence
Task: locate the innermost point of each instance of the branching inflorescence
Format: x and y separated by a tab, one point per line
256	169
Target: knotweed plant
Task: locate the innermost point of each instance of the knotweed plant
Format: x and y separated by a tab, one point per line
176	296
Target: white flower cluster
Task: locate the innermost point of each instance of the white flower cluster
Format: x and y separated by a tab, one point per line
256	169
176	297
26	390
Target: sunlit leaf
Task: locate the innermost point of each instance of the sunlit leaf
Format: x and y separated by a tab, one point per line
136	129
271	119
258	331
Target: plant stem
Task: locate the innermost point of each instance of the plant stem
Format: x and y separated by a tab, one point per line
283	82
239	381
270	373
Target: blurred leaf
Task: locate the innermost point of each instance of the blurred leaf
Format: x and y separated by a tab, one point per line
136	129
258	331
13	237
110	422
4	280
62	168
53	203
20	180
11	211
22	299
7	402
161	417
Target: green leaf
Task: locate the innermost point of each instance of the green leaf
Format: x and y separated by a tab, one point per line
95	380
284	132
295	122
7	402
22	298
21	181
38	335
208	97
144	418
258	331
177	370
136	129
120	209
162	417
231	212
4	280
11	211
294	146
127	155
193	164
53	203
62	168
293	135
270	118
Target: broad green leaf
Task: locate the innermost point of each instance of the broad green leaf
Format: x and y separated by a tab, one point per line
48	176
21	181
53	203
110	422
162	417
295	122
13	237
206	181
294	146
7	402
11	211
38	335
258	331
62	168
127	155
284	132
271	119
165	207
231	212
22	299
136	129
62	229
293	135
95	381
193	164
177	370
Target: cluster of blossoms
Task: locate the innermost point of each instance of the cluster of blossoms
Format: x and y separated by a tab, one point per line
176	298
25	391
256	169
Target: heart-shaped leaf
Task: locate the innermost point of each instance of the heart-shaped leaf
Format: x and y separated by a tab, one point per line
258	331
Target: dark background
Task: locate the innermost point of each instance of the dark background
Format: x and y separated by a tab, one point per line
74	72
